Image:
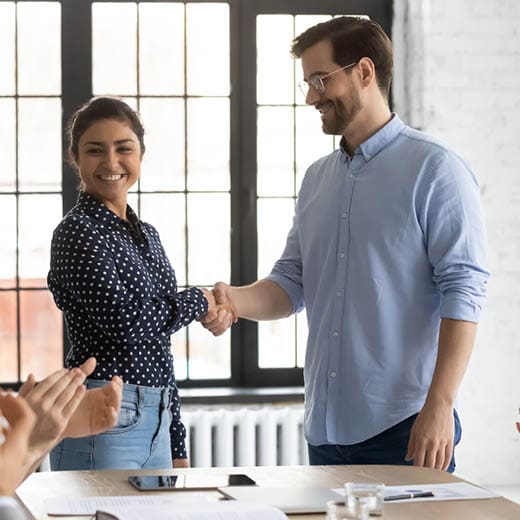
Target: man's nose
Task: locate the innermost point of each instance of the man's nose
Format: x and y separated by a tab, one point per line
312	96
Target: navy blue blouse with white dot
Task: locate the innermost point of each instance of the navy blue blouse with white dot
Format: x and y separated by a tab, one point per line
118	292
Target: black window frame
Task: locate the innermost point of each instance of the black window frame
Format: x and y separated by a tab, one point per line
77	87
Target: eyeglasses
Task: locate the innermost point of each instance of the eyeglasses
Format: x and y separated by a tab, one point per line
316	80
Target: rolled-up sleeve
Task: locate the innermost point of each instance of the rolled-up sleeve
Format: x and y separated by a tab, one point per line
287	271
455	235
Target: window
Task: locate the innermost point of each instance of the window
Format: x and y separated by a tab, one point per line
227	135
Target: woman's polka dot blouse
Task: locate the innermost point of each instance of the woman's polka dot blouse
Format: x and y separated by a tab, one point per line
118	292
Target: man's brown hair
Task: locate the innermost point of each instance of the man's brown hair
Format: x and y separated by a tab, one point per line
352	38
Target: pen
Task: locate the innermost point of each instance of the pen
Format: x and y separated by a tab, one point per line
420	494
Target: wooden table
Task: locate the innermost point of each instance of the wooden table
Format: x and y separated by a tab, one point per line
40	486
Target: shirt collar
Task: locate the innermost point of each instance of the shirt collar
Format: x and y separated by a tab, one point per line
375	143
97	209
100	212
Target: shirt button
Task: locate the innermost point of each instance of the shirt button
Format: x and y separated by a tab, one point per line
335	333
344	214
339	294
342	255
333	374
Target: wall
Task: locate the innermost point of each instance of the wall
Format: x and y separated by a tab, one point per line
458	77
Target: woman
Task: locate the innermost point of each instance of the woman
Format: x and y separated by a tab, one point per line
110	276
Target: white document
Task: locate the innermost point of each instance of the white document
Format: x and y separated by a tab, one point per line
221	510
87	506
448	491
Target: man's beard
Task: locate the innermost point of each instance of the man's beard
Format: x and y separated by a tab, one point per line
343	115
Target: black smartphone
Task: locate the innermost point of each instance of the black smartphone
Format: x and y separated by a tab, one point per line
239	479
186	482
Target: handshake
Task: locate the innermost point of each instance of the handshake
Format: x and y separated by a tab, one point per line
222	311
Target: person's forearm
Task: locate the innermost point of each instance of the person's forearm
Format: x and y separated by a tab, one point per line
456	340
32	461
262	300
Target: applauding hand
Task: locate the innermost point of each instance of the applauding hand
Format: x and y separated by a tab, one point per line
16	425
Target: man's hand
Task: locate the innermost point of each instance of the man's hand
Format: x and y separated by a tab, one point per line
222	312
518	425
98	410
431	437
16	424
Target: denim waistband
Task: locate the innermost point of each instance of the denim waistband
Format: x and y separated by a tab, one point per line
142	395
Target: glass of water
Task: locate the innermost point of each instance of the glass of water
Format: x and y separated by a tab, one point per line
341	511
369	493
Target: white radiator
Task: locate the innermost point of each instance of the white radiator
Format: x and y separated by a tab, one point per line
264	436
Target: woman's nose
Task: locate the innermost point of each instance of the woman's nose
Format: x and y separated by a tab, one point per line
111	160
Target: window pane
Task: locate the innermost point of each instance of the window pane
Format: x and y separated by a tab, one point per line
163	162
311	142
208	144
208	238
8	242
8	350
7	55
207	45
161	48
277	343
275	66
209	355
39	48
114	48
275	151
39	215
274	222
39	140
302	331
41	334
167	214
179	343
7	145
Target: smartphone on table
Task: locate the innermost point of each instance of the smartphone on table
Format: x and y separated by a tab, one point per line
181	482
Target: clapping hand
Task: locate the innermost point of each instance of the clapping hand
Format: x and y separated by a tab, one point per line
16	425
98	410
54	400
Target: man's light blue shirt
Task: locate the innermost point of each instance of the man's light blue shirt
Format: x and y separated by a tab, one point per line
383	245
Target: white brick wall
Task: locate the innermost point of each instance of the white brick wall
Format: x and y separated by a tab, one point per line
458	77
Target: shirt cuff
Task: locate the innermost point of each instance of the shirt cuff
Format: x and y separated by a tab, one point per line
458	308
196	295
292	289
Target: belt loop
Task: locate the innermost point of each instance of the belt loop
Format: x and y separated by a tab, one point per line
141	394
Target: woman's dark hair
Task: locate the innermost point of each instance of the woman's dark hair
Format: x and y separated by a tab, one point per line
352	38
96	109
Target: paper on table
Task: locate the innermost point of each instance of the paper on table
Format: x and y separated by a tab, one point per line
448	491
87	506
221	510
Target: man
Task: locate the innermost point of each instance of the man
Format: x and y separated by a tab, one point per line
387	254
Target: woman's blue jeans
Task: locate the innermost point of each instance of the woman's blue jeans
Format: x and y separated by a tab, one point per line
140	439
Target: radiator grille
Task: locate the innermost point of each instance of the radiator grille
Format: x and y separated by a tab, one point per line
264	436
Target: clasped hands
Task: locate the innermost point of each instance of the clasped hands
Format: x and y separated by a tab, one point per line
222	312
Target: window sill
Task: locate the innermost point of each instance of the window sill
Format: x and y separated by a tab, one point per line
236	395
